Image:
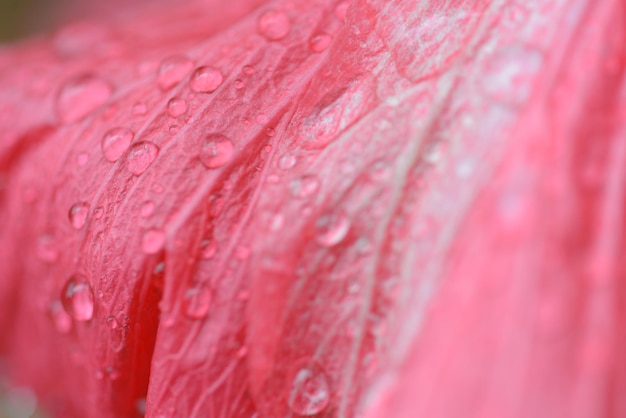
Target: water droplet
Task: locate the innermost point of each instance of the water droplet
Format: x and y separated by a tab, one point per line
320	42
153	241
47	249
112	322
78	215
98	213
270	132
287	162
341	10
177	107
62	321
139	109
274	25
147	209
216	151
206	80
172	70
198	302
248	70
77	298
208	248
309	391
304	186
332	228
239	84
140	406
115	143
82	159
80	96
140	156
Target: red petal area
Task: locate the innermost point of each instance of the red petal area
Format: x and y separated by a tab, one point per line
338	209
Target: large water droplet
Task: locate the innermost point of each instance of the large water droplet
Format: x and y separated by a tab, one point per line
309	391
153	241
332	228
115	143
77	298
78	215
198	302
176	107
320	42
140	156
80	96
172	70
216	151
274	25
206	80
304	186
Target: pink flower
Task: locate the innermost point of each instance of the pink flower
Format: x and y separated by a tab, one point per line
368	208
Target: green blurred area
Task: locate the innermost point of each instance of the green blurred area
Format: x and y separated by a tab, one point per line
19	18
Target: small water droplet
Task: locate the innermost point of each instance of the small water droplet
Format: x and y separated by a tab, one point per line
172	70
62	321
140	406
147	209
287	162
77	298
206	80
273	25
270	132
208	248
112	322
177	107
47	249
341	10
153	241
141	156
115	143
139	109
239	84
304	186
216	151
320	42
98	213
309	391
198	302
248	70
80	96
82	159
332	228
78	214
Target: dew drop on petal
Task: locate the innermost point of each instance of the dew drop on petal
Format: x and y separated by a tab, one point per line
287	162
332	228
239	84
197	302
309	391
172	70
62	321
208	249
341	11
140	156
77	298
112	322
80	96
139	109
248	70
273	25
206	80
320	42
78	215
47	249
147	209
115	143
153	241
216	151
304	186
177	107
